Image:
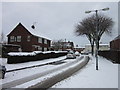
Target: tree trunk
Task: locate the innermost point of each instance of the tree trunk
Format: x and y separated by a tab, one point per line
92	49
98	45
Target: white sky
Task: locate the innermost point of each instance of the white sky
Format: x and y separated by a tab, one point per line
57	20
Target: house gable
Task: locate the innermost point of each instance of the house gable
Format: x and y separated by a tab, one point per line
19	30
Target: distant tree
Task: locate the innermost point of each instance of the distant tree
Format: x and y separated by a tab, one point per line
88	27
2	38
57	44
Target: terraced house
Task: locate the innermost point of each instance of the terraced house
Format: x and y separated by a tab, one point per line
27	39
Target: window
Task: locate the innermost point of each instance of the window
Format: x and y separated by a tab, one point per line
45	41
15	38
12	38
40	48
45	49
39	40
28	38
18	38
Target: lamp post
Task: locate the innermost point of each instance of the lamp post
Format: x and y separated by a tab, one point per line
97	29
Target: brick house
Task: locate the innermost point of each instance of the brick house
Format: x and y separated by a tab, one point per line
115	44
63	46
68	45
28	39
79	49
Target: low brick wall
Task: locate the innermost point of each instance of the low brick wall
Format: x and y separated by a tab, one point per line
111	55
38	56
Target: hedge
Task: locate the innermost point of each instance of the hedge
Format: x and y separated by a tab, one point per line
12	59
111	55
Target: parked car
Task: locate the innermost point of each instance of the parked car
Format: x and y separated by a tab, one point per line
85	53
2	71
71	55
77	53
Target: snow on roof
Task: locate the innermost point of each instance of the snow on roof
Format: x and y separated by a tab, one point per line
34	32
118	37
99	44
37	33
79	47
11	45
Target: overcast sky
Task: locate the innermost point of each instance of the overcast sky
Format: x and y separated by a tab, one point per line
57	20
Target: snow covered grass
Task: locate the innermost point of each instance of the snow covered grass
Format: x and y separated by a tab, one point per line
11	76
3	61
88	77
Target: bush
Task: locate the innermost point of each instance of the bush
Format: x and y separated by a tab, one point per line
38	56
112	55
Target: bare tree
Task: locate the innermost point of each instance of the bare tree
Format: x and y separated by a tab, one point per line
2	38
57	44
88	27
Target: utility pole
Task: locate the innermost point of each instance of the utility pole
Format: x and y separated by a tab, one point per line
96	40
97	30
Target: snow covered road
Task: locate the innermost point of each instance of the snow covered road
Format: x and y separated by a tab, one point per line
42	71
60	75
89	77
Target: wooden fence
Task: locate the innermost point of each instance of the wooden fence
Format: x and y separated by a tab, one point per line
111	55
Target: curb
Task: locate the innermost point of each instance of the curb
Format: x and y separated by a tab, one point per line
32	66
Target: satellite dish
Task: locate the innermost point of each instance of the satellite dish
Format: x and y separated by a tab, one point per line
33	27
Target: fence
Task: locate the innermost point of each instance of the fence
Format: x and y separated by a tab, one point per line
111	55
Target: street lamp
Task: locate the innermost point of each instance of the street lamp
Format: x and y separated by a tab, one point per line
97	29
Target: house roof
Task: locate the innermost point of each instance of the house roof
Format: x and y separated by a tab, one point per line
118	37
79	47
34	32
99	44
37	33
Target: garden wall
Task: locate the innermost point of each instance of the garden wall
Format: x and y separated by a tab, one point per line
19	57
111	55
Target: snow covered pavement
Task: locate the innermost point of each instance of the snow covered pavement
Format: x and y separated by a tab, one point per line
88	77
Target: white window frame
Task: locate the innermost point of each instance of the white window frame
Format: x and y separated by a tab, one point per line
12	38
40	48
18	38
45	41
39	40
28	38
45	49
15	38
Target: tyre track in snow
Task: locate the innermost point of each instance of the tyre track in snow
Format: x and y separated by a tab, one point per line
61	76
38	75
